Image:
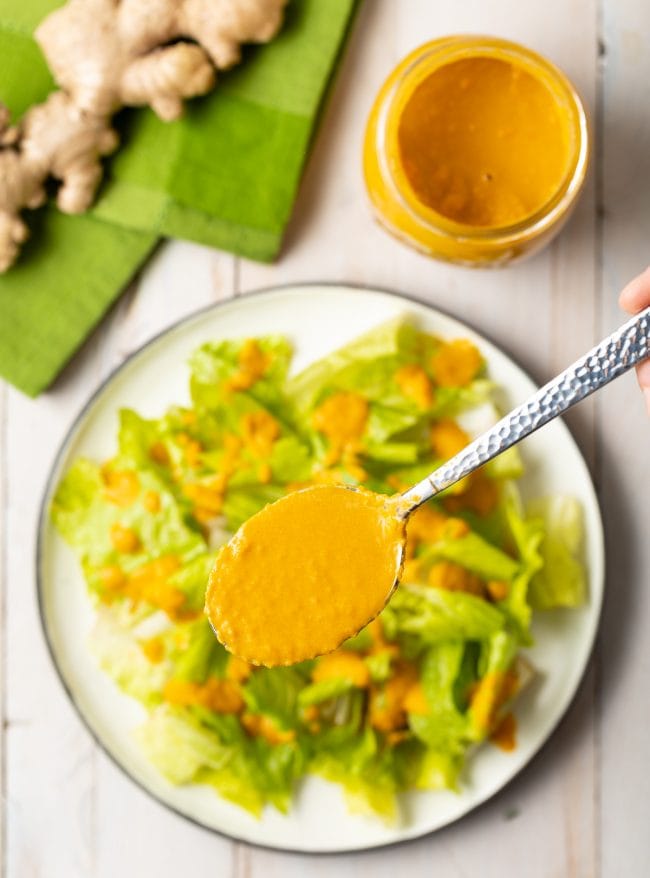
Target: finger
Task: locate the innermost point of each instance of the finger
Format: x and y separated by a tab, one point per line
636	295
643	375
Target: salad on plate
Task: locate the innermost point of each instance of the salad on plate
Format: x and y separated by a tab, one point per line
400	705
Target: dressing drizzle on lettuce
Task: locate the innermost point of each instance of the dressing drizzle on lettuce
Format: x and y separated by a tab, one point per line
398	706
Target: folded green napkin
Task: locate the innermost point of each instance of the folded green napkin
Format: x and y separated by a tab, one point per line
225	175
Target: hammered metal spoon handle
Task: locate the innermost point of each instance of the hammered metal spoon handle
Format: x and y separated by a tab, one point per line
610	358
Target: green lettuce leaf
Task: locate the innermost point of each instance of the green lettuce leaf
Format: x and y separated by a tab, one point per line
259	773
438	771
379	666
477	555
434	614
360	642
507	465
290	460
192	578
444	728
497	656
215	362
76	495
324	690
84	518
136	436
367	365
203	656
234	785
526	535
498	652
385	422
391	452
274	692
242	502
249	772
179	747
367	780
562	581
119	654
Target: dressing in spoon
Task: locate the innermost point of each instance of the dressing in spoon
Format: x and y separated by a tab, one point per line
309	571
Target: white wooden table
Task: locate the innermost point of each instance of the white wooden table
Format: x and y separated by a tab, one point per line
582	808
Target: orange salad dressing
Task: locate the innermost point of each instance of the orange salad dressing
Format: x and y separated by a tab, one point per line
483	142
475	151
304	574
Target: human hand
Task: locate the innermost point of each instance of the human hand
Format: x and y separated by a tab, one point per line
634	298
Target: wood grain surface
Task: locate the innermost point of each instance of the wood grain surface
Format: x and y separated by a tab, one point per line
581	808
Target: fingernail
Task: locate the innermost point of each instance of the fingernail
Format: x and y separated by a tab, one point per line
646	396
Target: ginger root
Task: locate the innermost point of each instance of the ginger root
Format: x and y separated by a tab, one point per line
106	54
20	186
59	140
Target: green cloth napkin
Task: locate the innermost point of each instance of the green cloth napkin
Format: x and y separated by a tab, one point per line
225	175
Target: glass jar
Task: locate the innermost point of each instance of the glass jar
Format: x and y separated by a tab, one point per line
405	212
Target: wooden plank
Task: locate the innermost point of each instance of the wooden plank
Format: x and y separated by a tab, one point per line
624	443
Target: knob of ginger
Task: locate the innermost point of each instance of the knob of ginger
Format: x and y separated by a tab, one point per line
106	54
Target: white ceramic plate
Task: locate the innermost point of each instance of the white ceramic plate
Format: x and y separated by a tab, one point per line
317	319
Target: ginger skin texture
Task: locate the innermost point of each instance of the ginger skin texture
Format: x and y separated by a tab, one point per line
104	55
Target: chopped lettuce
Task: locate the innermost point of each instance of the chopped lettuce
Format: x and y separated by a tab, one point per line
180	748
324	690
179	485
385	422
444	728
380	666
438	771
215	363
366	365
201	655
274	692
477	555
434	615
525	534
85	518
120	655
561	579
368	780
259	773
242	502
191	579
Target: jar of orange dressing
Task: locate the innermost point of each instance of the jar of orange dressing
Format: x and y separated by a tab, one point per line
476	150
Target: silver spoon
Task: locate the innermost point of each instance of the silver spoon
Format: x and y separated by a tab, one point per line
614	355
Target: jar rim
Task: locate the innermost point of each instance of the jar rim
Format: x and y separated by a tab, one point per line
439	53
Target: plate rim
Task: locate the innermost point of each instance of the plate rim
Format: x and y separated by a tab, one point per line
43	517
